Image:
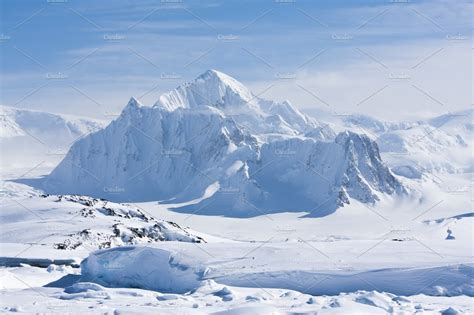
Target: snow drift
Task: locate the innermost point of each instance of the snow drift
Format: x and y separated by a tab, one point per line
179	268
76	223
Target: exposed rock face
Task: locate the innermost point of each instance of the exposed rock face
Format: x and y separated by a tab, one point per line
107	224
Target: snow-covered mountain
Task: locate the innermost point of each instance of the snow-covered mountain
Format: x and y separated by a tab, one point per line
28	137
16	122
214	145
441	144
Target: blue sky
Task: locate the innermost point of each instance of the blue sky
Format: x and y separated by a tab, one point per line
385	58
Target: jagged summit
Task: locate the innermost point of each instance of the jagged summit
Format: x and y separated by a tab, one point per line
217	78
216	91
212	88
133	104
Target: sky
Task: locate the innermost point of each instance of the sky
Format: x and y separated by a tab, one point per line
393	60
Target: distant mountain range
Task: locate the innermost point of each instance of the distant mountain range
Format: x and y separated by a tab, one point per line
29	138
440	144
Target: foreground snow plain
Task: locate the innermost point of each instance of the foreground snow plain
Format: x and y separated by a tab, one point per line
280	263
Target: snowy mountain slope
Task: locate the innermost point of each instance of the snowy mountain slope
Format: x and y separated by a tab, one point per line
151	146
306	175
28	137
71	222
183	150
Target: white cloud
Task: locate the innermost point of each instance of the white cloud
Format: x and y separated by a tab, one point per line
347	73
438	84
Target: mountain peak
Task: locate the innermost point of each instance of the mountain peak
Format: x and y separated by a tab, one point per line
132	108
132	105
222	93
213	72
212	88
133	102
214	76
223	85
